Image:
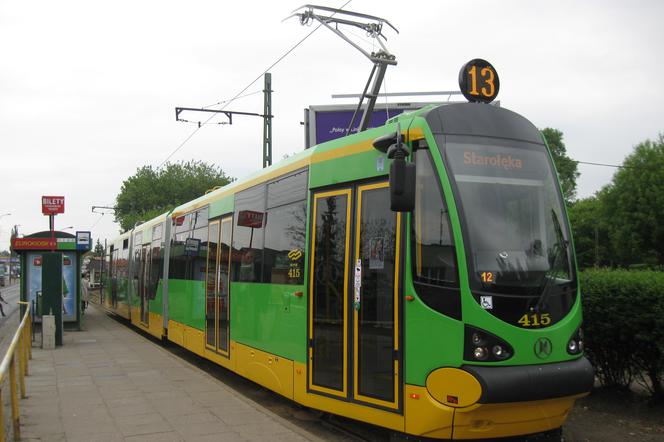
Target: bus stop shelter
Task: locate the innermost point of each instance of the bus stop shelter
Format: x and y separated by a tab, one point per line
51	270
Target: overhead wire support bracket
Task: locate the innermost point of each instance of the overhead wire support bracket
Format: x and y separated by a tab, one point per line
229	114
381	59
266	116
114	208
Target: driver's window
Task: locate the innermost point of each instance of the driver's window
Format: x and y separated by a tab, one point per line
433	253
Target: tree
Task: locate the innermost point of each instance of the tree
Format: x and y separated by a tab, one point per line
151	192
590	232
567	168
99	249
634	203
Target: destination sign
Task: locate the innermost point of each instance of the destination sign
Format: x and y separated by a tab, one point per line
478	81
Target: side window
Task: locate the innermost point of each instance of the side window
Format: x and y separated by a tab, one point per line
434	264
285	230
189	246
157	262
248	229
137	261
269	228
111	262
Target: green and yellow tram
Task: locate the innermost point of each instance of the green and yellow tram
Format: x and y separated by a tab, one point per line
456	316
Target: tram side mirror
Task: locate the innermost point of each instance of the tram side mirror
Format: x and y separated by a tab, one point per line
402	186
402	173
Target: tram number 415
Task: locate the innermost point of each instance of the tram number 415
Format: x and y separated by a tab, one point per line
535	320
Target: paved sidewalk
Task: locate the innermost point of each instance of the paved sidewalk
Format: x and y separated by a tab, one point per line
109	383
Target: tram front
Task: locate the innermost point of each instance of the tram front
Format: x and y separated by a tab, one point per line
491	257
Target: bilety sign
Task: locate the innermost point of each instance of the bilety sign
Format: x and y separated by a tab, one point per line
52	205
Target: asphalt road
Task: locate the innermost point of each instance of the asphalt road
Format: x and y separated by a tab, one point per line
10	295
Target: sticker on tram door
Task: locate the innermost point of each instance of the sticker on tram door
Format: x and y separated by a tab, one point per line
358	284
486	302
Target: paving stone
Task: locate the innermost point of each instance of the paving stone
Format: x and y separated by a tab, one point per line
110	384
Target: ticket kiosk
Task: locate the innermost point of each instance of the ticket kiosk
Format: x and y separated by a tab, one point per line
51	267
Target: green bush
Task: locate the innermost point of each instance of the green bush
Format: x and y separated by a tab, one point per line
624	326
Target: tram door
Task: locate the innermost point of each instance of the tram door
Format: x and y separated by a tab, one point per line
353	311
217	293
143	282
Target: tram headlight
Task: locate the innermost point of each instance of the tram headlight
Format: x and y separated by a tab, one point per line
480	345
575	344
480	353
499	352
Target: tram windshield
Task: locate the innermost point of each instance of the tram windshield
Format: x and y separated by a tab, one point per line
516	239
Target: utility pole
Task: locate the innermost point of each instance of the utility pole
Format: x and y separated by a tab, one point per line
267	118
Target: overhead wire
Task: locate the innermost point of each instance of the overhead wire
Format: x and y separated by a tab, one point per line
230	99
244	89
97	222
600	164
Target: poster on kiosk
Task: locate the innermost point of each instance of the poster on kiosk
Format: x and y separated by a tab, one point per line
69	284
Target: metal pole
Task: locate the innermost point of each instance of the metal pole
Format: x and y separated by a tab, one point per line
21	363
373	96
2	419
267	121
14	398
101	275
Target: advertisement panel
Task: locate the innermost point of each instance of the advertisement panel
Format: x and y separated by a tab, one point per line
52	205
333	124
69	287
69	283
329	122
34	275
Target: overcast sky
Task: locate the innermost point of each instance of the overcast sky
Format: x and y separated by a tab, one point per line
88	89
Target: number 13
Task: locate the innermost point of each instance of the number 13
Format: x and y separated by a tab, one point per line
487	76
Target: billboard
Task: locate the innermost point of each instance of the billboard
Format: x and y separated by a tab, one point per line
325	123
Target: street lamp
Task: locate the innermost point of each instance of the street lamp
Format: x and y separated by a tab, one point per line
12	254
10	257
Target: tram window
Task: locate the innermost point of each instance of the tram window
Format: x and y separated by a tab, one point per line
157	231
284	244
189	247
183	223
111	259
156	262
288	189
123	261
200	218
248	229
434	258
